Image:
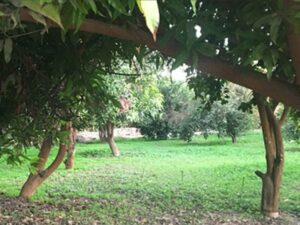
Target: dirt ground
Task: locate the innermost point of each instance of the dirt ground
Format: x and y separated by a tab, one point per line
14	211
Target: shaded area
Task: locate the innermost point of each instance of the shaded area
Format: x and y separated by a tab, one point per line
80	210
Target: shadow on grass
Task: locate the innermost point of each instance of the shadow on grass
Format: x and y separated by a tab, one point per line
95	153
293	149
206	143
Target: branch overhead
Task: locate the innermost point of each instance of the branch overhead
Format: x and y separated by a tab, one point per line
279	90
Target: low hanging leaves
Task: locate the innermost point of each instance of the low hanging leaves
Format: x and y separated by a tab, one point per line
151	14
48	10
193	2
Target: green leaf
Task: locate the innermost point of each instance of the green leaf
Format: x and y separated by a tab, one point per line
118	5
191	35
131	4
258	52
49	10
263	20
16	3
93	5
275	56
275	24
8	47
207	49
63	136
39	18
193	2
268	63
180	59
2	13
151	13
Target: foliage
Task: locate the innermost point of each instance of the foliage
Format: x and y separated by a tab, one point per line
249	34
221	119
177	102
139	90
155	127
47	83
290	131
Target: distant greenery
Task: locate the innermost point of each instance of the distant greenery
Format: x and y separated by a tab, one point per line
155	180
182	115
291	132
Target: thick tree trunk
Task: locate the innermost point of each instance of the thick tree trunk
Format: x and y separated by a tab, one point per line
71	148
110	139
36	178
271	180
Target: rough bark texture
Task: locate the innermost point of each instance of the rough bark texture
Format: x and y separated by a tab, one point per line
110	139
271	180
276	89
71	147
41	174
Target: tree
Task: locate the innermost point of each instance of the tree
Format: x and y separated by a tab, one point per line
106	115
43	89
176	100
223	119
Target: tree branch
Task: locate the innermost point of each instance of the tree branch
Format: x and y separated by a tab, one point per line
57	161
260	174
284	115
279	90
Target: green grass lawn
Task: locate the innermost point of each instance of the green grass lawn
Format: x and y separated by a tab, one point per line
155	180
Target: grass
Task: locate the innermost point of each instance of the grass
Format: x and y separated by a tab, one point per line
155	180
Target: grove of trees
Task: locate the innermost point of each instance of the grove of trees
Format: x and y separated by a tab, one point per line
53	52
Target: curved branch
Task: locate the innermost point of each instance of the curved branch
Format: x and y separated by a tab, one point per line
57	161
279	90
284	115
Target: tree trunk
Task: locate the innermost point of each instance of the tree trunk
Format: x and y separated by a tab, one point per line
102	135
36	178
233	139
71	147
271	180
110	139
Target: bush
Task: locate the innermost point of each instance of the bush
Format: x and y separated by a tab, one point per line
290	131
223	119
155	127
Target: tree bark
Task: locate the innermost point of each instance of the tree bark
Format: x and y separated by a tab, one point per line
102	135
69	162
110	139
36	178
271	180
233	139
